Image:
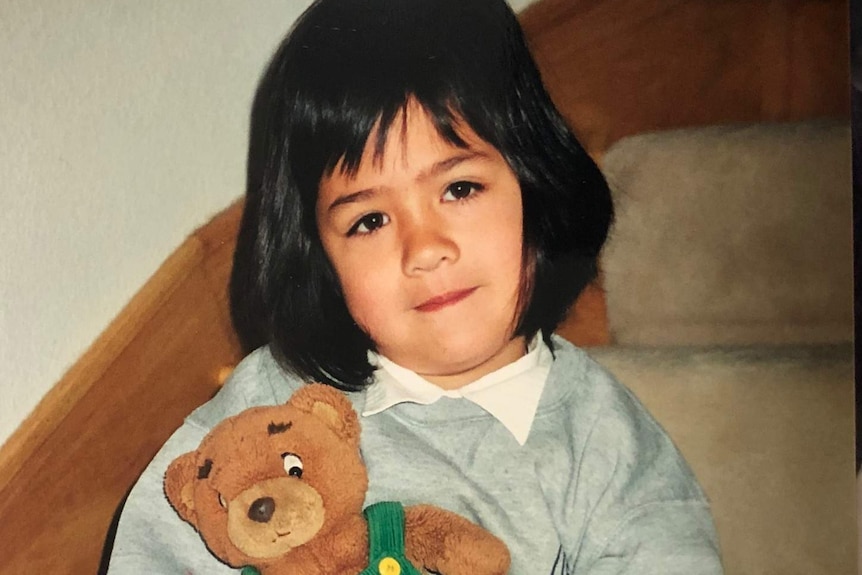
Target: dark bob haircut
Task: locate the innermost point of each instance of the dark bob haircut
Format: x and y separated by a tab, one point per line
350	65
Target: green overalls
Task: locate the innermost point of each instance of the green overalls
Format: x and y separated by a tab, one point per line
386	540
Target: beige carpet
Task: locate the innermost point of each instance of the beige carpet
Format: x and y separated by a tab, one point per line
769	431
731	235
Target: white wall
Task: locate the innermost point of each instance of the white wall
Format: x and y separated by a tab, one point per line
518	5
123	127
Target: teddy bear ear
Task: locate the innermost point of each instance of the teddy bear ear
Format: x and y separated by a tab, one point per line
179	485
329	405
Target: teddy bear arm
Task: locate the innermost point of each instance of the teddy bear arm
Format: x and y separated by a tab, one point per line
346	549
445	542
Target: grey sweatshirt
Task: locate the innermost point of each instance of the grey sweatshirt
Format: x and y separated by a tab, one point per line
598	488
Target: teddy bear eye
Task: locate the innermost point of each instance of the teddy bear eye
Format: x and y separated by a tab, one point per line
221	501
292	464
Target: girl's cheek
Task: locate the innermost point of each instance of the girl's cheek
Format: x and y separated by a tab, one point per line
363	295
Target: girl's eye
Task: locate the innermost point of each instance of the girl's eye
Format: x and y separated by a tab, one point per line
368	224
461	190
292	465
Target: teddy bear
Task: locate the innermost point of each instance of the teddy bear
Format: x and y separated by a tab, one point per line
279	490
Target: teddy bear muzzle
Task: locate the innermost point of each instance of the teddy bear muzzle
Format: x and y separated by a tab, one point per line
274	516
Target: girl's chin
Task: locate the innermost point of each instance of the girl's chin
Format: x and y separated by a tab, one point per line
454	372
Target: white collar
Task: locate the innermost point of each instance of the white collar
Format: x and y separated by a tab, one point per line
511	394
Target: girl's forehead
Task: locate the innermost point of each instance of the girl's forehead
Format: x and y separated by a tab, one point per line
413	143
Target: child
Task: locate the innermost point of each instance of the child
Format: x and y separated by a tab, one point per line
419	218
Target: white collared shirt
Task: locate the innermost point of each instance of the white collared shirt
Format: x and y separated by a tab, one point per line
511	394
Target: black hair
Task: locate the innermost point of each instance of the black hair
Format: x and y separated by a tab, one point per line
350	66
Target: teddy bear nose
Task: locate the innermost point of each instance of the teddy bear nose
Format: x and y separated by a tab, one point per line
261	510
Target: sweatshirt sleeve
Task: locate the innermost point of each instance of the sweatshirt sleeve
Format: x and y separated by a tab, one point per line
653	517
151	537
637	508
663	538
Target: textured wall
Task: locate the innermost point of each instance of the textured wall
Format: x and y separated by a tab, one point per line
123	127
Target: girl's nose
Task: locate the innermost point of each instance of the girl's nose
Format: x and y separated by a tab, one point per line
426	245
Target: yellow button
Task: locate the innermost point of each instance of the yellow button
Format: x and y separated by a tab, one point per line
389	566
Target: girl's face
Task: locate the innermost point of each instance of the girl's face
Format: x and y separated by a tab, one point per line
427	244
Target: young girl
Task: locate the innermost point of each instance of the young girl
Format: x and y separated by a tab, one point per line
419	218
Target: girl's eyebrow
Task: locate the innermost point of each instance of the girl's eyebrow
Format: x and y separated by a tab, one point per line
350	198
445	165
435	169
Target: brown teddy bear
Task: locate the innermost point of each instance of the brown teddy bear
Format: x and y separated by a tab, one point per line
279	490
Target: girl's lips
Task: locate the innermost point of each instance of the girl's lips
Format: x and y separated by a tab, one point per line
444	300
